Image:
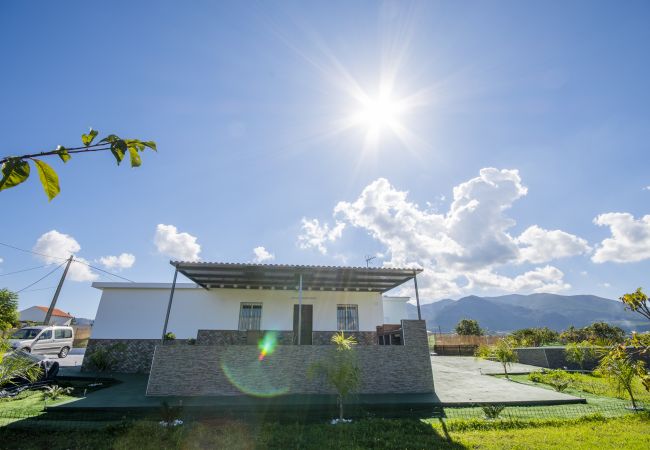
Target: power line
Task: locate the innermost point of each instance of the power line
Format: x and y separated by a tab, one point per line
65	259
102	270
41	289
24	270
42	278
33	252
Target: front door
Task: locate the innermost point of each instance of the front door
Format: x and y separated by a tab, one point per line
306	326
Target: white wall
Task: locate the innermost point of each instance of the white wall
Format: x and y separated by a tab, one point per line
34	314
139	313
395	309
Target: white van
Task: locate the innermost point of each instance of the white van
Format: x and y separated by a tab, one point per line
44	340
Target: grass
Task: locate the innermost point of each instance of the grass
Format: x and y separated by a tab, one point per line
29	402
592	387
629	432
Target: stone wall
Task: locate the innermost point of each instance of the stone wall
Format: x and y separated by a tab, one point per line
362	337
131	355
235	337
235	370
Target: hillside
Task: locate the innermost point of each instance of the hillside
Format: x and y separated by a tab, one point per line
510	312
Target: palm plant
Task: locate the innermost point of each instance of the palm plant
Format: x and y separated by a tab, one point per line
503	352
14	365
339	369
621	370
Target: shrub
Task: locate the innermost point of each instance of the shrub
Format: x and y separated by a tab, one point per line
53	392
559	379
581	353
492	411
169	336
535	337
104	359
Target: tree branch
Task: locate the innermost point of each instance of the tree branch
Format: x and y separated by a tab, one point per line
71	151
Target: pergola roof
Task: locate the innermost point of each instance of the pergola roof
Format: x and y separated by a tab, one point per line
280	276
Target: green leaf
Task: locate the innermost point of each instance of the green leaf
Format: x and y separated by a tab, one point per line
49	179
110	138
118	149
150	144
14	172
135	157
87	139
63	154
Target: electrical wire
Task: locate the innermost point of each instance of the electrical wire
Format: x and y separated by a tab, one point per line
33	252
64	259
42	278
41	289
24	270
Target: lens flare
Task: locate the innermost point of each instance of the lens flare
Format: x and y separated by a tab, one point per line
267	344
253	370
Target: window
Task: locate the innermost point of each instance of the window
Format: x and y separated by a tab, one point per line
46	335
347	317
250	316
62	333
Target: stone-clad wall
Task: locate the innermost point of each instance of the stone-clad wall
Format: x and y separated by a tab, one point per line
235	370
235	337
362	337
131	355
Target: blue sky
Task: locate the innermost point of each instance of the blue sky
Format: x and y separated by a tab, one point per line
251	106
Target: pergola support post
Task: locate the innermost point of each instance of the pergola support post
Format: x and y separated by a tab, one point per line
169	304
300	309
417	293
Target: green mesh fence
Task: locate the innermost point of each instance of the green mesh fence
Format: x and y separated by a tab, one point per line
490	413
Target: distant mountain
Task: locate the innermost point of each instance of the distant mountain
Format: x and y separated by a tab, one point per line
510	312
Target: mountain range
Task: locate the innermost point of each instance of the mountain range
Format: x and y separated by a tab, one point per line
511	312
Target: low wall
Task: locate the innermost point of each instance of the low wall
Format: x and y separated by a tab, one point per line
555	358
237	370
131	355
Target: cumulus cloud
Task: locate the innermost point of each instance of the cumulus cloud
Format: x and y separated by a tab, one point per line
262	255
315	235
53	247
123	261
540	245
180	246
463	249
1	260
629	241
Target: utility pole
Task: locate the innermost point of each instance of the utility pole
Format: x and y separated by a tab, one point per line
48	316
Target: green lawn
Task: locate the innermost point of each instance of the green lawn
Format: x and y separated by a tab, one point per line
630	432
592	387
29	402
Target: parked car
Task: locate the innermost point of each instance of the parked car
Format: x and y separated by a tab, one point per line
44	340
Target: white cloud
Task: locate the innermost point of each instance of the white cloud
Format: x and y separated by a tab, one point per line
261	255
54	247
123	261
647	188
180	246
462	249
315	235
540	245
629	241
1	260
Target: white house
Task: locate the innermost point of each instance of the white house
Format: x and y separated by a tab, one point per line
230	309
395	309
38	313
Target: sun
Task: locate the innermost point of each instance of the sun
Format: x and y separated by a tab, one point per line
378	113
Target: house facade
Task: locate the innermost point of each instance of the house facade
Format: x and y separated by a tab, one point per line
37	314
234	313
